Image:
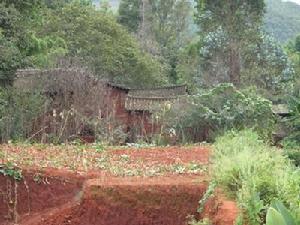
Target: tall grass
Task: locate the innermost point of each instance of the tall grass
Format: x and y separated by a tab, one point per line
255	174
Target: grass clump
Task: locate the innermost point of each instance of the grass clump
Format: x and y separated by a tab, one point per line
255	174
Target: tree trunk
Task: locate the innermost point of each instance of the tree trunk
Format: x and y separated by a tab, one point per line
234	66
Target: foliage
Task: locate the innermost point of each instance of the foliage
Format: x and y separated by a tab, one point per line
220	109
129	14
104	46
193	221
209	193
292	150
10	61
267	65
17	113
278	214
162	28
249	170
21	39
282	19
293	51
10	170
230	25
292	142
188	67
294	120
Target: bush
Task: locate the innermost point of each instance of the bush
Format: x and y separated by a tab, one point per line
292	151
17	112
222	108
255	174
294	121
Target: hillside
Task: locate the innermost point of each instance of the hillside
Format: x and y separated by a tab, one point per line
282	19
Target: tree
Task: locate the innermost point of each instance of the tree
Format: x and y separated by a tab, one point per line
129	14
297	44
24	6
267	66
293	51
162	28
188	68
21	23
236	23
104	45
171	20
10	61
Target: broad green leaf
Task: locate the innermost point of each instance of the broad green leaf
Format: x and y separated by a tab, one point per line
274	217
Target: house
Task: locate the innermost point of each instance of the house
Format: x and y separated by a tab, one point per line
97	103
135	107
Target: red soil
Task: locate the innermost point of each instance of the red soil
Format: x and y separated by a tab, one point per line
169	155
56	197
36	192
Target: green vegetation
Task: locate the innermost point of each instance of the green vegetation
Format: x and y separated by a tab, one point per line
213	112
10	170
85	158
103	45
279	214
193	221
17	111
225	52
248	169
38	33
162	28
282	19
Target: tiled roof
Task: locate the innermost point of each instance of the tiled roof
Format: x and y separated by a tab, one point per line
148	99
147	104
281	109
153	99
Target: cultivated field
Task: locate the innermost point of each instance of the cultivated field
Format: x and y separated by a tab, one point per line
90	184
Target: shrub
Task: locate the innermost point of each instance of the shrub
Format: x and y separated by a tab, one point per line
222	108
17	112
255	174
294	121
292	151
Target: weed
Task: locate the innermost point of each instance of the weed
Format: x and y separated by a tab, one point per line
99	147
209	193
125	158
38	178
10	170
193	221
255	174
278	214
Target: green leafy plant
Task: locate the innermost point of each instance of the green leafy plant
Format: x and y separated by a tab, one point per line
17	113
10	170
278	214
209	193
255	174
213	112
99	147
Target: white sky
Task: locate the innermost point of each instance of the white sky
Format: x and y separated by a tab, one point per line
296	1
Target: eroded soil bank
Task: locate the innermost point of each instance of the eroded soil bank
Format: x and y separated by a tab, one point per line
98	197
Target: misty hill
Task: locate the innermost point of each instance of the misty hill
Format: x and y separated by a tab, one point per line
282	19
